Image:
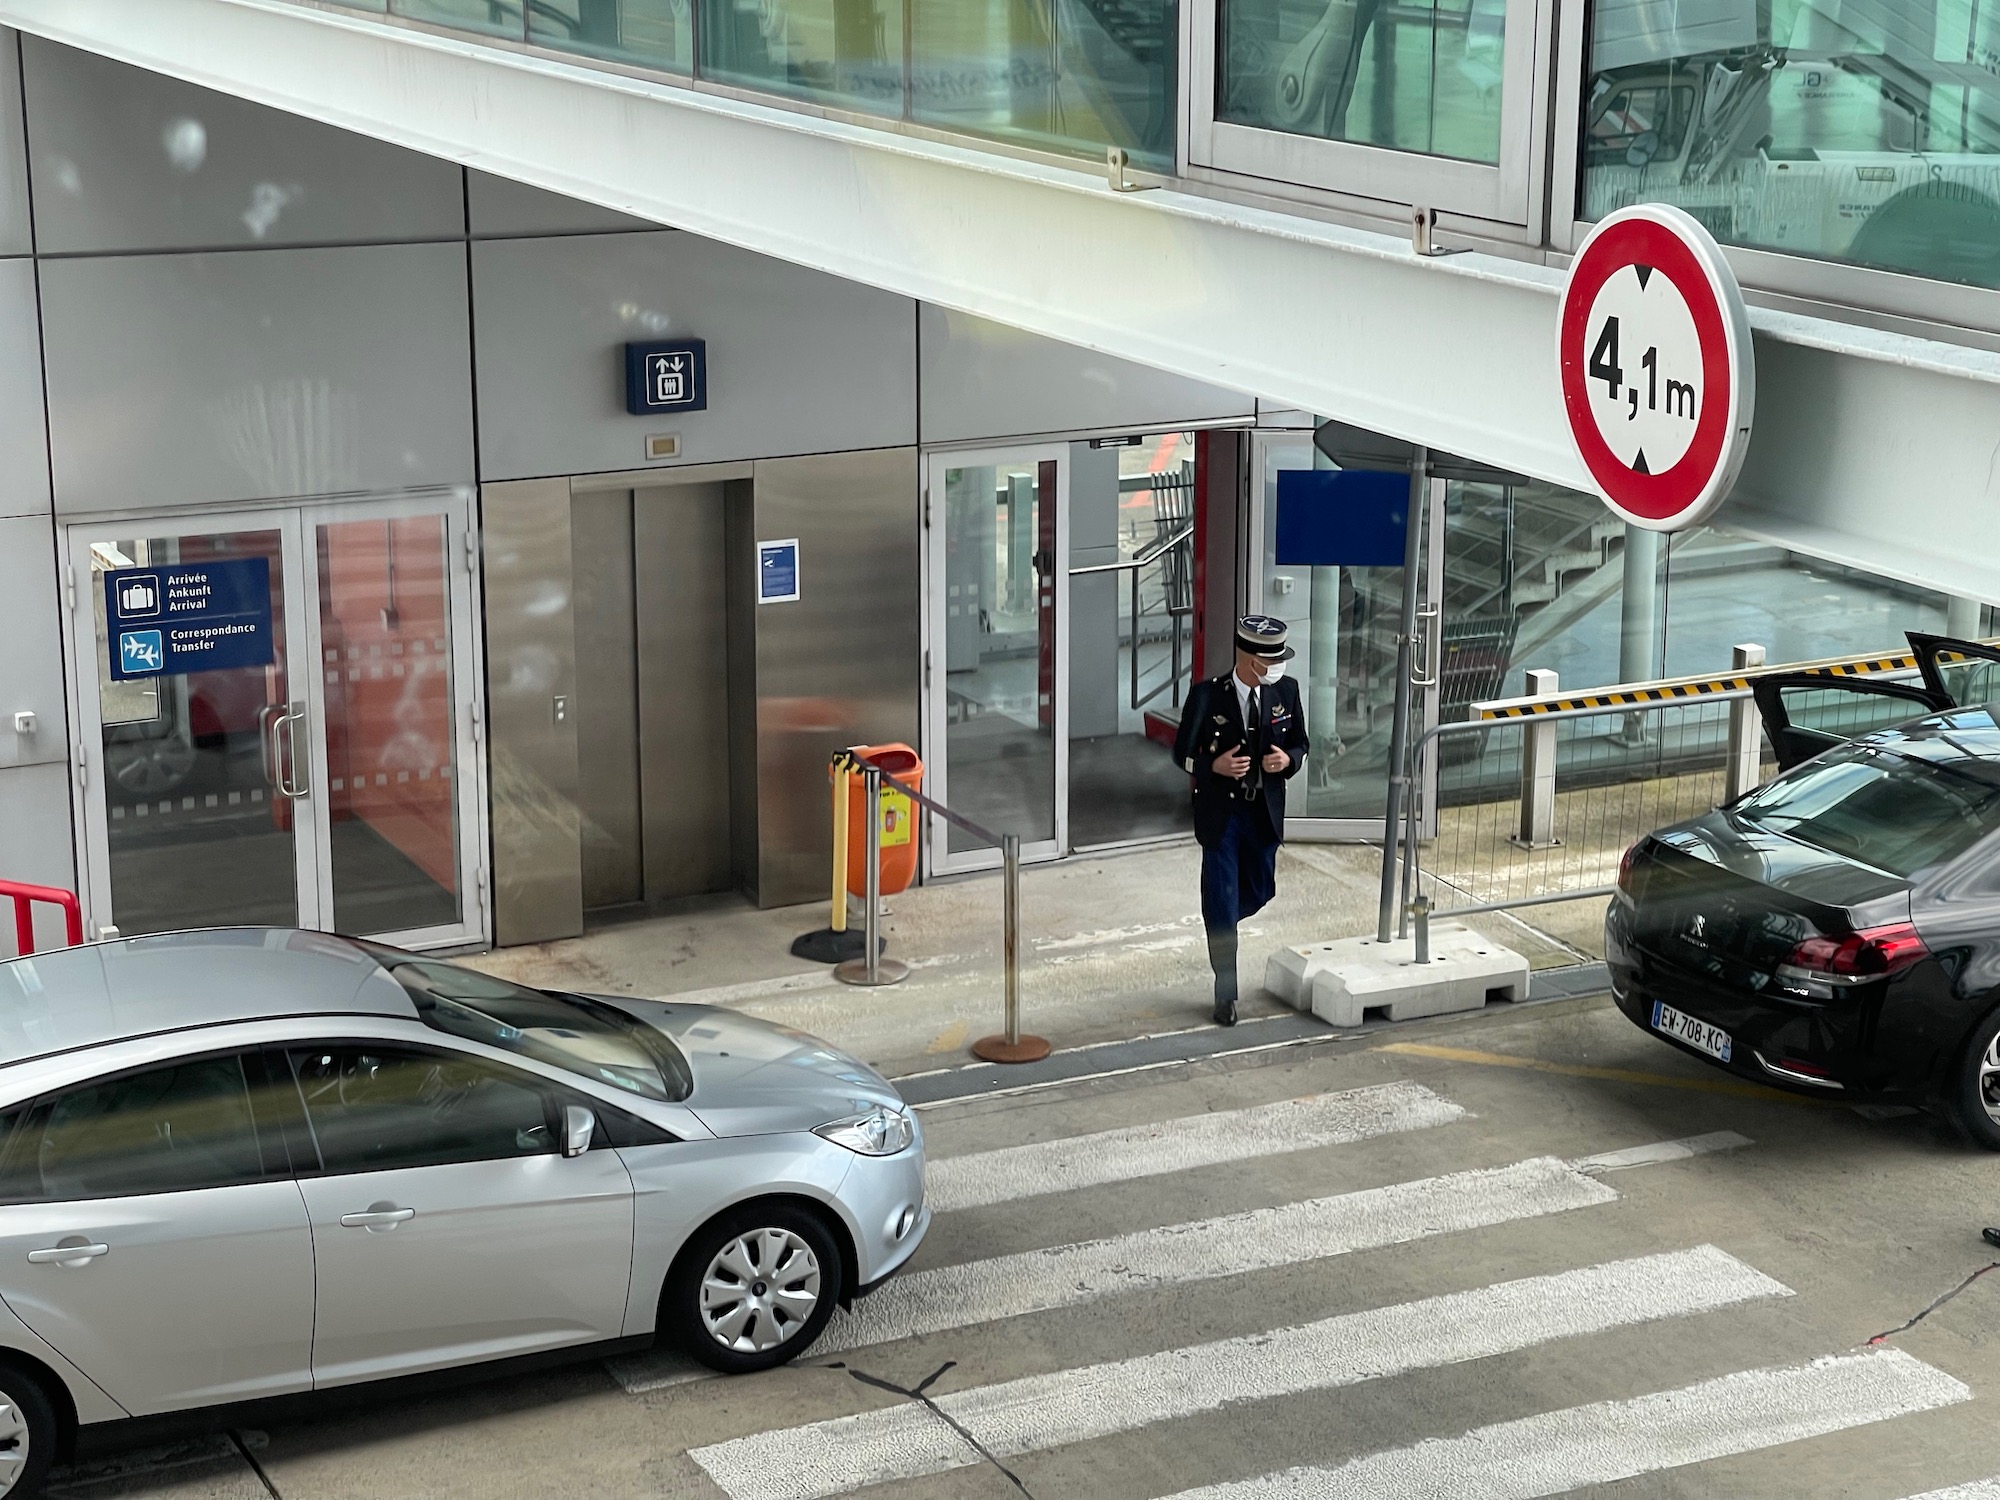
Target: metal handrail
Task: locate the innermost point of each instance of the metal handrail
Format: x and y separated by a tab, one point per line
1159	547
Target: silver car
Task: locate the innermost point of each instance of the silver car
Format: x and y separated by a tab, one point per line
246	1162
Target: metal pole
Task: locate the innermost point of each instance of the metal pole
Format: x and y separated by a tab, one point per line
871	968
1010	934
1399	729
1744	731
872	795
1537	829
1010	1046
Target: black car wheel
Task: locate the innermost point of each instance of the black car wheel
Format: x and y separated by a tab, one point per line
1975	1098
753	1288
29	1433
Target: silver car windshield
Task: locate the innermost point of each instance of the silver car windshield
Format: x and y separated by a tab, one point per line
581	1036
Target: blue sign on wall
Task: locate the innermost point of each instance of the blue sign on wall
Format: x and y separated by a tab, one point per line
666	377
1349	518
188	617
777	572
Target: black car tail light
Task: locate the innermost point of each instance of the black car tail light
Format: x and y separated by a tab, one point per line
1854	957
1625	862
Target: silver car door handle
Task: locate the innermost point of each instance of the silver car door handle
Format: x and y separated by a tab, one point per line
376	1218
62	1255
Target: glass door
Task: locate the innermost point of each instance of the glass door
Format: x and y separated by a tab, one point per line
997	720
273	727
394	731
191	715
1345	623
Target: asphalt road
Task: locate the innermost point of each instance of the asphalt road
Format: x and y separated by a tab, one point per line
1520	1254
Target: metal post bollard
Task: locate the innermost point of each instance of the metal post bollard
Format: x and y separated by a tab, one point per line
1420	910
1538	772
1740	774
1011	1046
871	968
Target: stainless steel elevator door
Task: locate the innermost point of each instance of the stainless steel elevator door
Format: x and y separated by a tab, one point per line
683	681
607	698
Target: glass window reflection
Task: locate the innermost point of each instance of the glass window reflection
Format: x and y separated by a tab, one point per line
1413	76
1049	73
844	53
494	17
649	33
1865	131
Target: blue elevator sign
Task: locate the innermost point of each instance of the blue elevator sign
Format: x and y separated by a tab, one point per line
188	617
666	377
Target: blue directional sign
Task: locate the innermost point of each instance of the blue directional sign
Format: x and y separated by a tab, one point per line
777	572
666	377
188	617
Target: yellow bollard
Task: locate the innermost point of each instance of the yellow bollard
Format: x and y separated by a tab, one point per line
839	779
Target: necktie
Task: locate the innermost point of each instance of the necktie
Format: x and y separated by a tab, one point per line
1253	728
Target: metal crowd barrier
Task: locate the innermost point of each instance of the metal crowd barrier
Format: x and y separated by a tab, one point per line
1536	798
25	896
1011	1045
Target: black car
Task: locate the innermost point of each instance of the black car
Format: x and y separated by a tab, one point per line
1837	931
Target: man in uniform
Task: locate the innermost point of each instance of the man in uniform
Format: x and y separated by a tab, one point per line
1242	737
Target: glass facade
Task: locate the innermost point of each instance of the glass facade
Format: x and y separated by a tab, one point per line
1424	78
1054	75
1865	131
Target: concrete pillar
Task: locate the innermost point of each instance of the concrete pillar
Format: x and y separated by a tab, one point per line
1740	770
1538	768
1962	616
1638	609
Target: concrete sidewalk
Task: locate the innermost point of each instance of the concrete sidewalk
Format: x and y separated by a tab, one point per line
1112	948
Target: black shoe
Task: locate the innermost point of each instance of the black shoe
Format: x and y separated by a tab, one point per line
1991	1236
1225	1012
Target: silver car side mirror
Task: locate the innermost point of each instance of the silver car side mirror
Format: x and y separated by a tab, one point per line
579	1125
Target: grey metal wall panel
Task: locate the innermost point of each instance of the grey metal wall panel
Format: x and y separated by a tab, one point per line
798	362
841	665
984	380
684	766
31	630
179	380
501	206
125	159
24	447
1097	601
532	751
35	843
15	235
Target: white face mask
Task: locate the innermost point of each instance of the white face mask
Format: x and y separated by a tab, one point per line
1274	672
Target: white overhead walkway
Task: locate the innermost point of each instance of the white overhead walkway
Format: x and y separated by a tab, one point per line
1872	448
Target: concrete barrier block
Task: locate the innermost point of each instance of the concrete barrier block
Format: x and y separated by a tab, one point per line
1357	975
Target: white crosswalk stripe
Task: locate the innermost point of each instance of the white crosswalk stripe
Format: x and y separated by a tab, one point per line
1338	1119
1032	1281
1557	1451
1071	1406
1978	1489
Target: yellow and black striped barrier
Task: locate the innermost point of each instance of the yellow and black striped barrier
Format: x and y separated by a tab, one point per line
1687	687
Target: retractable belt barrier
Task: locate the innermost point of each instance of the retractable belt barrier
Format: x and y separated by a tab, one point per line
1010	1046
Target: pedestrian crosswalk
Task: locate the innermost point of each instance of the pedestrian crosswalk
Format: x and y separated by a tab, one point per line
891	1440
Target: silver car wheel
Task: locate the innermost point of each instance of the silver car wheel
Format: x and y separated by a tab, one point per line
1989	1080
13	1443
759	1290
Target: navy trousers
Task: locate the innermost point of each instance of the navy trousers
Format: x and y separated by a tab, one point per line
1239	875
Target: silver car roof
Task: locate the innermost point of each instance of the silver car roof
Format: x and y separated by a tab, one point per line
83	997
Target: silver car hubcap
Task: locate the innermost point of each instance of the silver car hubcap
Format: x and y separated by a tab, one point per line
1989	1080
759	1290
13	1443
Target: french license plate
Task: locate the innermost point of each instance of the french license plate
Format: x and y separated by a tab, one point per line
1697	1034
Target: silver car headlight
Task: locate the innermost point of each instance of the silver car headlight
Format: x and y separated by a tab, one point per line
881	1131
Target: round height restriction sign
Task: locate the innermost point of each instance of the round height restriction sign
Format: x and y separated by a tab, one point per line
1657	377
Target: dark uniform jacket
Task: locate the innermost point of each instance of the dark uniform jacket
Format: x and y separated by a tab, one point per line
1212	723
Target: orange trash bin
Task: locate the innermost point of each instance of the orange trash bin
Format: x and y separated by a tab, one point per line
899	820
